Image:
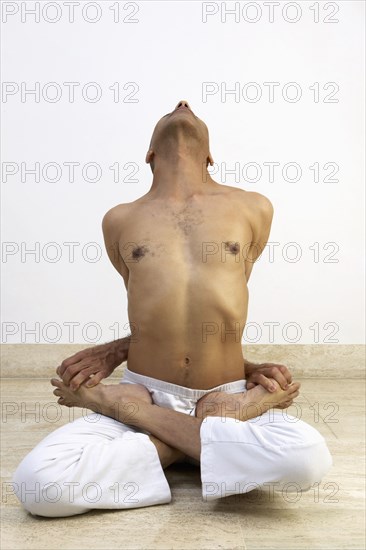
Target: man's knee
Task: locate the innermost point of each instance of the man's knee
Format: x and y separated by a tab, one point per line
307	466
41	492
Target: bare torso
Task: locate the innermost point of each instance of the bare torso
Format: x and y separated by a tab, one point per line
185	267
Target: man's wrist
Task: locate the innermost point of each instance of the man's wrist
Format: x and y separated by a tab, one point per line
121	347
249	367
249	364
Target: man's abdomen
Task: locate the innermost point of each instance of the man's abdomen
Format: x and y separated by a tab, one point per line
187	324
197	355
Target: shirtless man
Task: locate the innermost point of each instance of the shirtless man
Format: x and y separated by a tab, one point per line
185	251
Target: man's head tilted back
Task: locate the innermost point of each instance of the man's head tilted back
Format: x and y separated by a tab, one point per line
179	135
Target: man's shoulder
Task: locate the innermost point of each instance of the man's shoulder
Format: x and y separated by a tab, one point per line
119	211
259	201
255	201
116	215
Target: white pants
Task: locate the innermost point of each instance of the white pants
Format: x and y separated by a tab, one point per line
98	462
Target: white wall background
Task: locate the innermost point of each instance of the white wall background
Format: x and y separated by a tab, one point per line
170	53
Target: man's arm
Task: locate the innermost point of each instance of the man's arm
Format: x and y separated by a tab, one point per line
94	364
112	227
262	373
261	222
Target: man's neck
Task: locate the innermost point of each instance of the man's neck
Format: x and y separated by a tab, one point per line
180	178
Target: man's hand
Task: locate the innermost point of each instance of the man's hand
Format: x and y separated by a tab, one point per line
264	372
93	364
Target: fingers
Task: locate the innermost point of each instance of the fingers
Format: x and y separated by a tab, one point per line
276	373
286	373
294	391
267	383
56	382
270	380
272	384
295	386
280	373
94	380
278	376
259	378
81	377
62	401
265	377
72	371
68	362
73	359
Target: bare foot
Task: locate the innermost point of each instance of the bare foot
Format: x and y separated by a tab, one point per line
120	401
249	404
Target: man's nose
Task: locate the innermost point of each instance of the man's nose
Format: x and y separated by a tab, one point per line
183	102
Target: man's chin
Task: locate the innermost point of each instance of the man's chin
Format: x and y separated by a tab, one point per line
181	124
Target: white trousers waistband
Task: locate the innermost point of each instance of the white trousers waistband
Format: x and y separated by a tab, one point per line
173	396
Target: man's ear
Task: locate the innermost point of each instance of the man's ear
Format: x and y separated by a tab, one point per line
149	156
210	160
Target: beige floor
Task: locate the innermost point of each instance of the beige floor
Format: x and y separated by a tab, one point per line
330	518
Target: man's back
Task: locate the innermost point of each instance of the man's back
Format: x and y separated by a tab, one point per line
185	265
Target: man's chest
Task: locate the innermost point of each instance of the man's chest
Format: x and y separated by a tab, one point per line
189	233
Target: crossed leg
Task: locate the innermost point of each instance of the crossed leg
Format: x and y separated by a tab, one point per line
115	455
171	430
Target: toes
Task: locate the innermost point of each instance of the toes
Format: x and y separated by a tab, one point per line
62	401
285	405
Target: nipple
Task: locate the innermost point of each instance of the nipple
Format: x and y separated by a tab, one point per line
139	252
232	246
